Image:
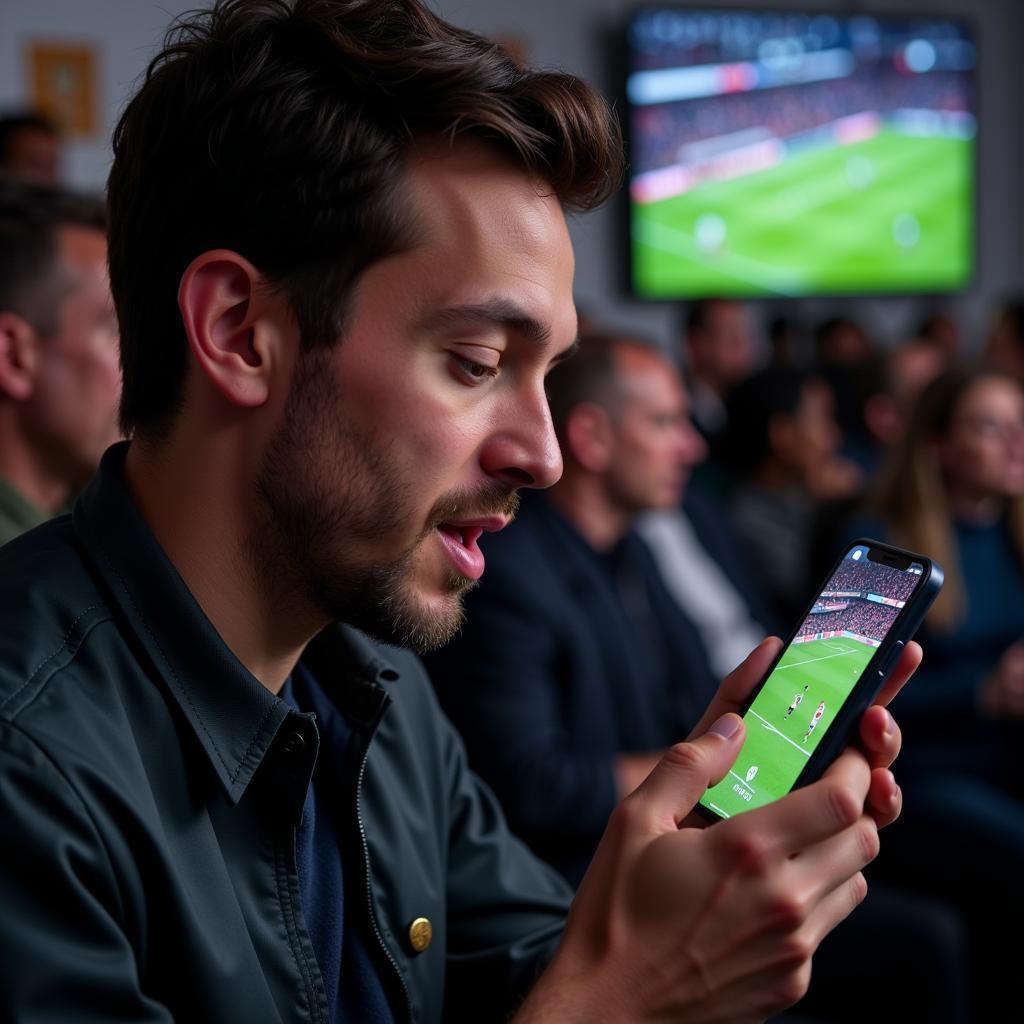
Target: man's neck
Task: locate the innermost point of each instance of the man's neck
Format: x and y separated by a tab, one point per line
583	499
200	513
27	472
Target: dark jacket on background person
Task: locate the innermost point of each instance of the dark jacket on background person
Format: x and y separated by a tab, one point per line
567	658
17	514
150	789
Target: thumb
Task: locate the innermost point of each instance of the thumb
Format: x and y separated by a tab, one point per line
679	779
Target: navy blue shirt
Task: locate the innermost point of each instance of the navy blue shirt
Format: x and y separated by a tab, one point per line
354	991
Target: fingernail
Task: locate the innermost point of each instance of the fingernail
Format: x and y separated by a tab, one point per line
726	727
890	723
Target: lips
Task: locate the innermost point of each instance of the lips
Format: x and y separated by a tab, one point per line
460	542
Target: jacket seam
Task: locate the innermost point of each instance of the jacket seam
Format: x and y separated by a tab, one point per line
252	743
291	927
12	698
76	798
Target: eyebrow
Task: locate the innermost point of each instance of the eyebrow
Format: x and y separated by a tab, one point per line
501	312
567	353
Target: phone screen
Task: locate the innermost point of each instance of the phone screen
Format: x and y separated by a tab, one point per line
816	674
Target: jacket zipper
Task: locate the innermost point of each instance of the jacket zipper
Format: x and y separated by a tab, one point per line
366	873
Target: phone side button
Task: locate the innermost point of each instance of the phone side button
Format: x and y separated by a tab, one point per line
891	658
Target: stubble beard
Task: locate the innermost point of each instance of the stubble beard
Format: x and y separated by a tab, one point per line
326	491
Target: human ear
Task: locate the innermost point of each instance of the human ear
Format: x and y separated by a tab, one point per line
19	357
589	437
217	299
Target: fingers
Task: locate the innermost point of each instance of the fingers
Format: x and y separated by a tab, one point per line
880	737
885	798
680	778
903	670
738	684
836	907
829	865
809	815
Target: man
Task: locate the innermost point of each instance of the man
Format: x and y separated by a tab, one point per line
720	350
59	378
815	719
29	148
341	268
798	699
576	669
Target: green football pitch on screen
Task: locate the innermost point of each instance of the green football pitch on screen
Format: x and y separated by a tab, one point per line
778	745
888	214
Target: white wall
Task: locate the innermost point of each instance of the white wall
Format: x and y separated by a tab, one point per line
579	35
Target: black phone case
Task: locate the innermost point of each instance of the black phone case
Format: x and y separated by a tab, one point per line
878	668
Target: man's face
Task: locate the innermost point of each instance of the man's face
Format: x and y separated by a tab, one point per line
809	436
32	156
724	352
72	414
409	438
655	444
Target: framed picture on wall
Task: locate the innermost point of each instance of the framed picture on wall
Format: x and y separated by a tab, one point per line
62	81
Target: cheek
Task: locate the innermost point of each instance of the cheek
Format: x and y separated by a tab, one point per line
975	462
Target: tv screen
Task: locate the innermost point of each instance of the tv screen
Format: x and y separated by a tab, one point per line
797	154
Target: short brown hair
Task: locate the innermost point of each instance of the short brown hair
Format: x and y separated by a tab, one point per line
30	218
278	130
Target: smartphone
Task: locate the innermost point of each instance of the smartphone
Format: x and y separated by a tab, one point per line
829	672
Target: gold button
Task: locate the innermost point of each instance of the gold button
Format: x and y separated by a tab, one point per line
420	934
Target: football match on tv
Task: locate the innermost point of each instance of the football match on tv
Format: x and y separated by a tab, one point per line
788	155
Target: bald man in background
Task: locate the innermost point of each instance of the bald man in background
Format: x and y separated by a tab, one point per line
59	376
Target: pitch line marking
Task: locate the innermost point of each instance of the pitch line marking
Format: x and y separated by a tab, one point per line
809	661
768	725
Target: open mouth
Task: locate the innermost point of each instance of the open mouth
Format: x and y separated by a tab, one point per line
460	542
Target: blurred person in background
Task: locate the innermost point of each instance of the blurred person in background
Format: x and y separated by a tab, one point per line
783	341
883	390
942	331
29	148
954	489
720	350
842	349
59	375
842	343
782	445
1005	350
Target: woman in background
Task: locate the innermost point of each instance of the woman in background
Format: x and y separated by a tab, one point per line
954	490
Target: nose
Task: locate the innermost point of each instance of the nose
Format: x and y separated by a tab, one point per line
522	450
693	449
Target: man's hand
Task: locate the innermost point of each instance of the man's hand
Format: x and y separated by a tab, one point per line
719	924
631	769
879	734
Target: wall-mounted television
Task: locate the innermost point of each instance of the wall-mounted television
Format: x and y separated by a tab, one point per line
779	153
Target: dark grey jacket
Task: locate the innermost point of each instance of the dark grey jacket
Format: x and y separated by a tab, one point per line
149	793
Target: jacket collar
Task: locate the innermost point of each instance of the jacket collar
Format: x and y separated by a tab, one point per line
235	718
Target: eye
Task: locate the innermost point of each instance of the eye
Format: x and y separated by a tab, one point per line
474	372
